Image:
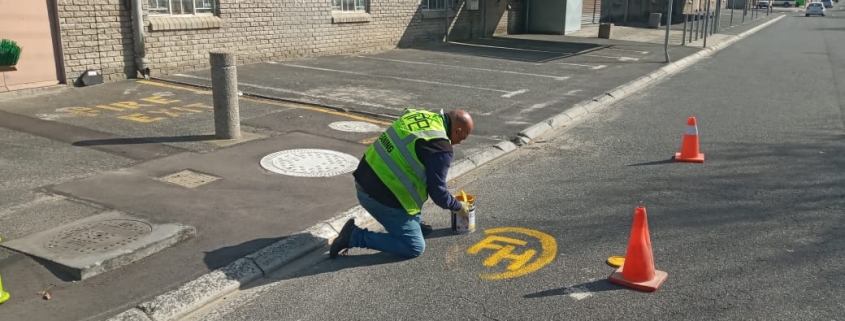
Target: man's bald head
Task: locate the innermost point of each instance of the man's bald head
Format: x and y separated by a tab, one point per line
462	125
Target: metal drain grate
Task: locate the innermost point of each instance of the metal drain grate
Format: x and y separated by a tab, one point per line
188	178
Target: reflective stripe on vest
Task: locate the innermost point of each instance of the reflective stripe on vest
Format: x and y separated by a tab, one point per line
394	171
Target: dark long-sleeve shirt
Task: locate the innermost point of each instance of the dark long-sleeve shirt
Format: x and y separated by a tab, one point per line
436	155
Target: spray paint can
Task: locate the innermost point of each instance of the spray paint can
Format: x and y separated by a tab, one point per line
461	225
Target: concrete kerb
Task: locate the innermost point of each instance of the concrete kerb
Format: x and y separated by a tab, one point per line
193	295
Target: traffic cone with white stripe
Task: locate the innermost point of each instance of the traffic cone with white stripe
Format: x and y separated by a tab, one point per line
689	146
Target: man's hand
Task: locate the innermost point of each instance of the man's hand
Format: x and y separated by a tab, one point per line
464	211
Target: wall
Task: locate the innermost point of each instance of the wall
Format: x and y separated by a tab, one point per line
96	34
258	30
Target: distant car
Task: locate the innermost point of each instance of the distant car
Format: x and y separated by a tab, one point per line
827	3
814	9
762	4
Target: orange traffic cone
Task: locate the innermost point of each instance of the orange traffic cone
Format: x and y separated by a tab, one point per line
689	145
638	270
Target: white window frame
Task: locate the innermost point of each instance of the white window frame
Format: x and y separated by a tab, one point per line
359	6
154	10
436	4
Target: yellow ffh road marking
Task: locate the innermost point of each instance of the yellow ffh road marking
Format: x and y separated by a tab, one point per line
521	264
275	103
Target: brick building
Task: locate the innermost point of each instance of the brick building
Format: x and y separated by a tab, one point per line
62	39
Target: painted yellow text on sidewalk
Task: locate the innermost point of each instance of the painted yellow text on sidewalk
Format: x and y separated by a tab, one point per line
145	110
525	262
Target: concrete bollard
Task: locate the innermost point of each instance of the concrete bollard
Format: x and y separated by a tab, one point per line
224	87
604	30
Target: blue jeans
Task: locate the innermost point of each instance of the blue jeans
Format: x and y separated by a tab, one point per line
404	236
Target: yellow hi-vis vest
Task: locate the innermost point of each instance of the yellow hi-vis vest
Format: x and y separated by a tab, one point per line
394	159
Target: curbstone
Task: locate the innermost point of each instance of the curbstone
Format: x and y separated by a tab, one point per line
336	223
536	130
193	295
486	155
506	146
619	92
459	168
291	248
131	315
576	112
592	106
603	100
560	120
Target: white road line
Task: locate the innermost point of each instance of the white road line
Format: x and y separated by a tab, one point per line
637	51
507	94
580	65
617	58
508	48
472	68
288	91
514	93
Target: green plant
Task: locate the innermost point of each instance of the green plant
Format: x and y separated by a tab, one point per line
10	52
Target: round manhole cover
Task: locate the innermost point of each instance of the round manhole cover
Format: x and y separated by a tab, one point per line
355	126
97	237
309	163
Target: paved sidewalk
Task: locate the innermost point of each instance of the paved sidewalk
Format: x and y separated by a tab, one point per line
101	149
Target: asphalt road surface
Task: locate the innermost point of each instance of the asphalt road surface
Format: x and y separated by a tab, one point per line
755	232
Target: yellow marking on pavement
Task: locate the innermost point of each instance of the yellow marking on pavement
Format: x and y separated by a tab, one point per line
520	263
160	84
275	103
367	141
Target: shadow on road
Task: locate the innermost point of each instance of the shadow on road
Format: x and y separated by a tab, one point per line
145	140
594	286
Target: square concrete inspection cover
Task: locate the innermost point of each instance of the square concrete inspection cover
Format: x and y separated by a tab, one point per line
188	178
101	242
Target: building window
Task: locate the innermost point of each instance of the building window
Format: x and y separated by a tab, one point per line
181	7
349	5
434	4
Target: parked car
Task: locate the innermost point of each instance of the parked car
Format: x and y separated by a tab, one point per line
827	3
814	9
762	4
784	3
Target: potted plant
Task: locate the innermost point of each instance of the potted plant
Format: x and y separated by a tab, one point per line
10	52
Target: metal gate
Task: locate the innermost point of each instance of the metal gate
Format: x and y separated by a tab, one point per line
591	12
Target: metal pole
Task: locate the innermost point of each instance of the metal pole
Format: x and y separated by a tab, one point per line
224	89
446	11
691	27
697	24
706	23
684	34
718	16
595	3
668	28
625	18
484	19
733	5
744	11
